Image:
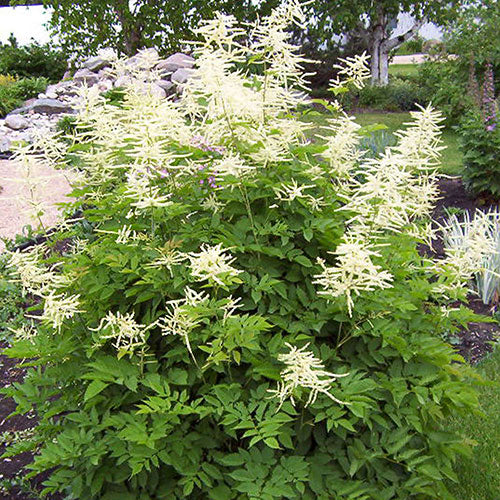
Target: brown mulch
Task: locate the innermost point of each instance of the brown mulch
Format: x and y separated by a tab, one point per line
11	469
472	343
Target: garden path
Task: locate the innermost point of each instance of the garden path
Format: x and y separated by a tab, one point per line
409	59
50	187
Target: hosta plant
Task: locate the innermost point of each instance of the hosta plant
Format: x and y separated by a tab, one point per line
245	314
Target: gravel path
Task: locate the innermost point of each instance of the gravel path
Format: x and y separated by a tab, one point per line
50	187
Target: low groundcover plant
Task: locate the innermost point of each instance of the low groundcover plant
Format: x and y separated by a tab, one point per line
247	315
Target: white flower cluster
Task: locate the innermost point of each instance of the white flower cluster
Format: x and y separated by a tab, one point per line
58	307
472	247
123	329
342	145
354	273
304	370
143	194
34	277
43	282
353	70
182	316
169	257
385	194
213	264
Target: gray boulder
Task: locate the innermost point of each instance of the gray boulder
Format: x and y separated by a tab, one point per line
166	85
4	144
182	75
157	91
175	62
85	76
16	122
49	107
95	63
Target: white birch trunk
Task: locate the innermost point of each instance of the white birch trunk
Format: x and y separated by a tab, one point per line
383	62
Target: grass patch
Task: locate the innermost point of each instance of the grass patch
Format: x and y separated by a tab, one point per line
479	476
403	69
451	159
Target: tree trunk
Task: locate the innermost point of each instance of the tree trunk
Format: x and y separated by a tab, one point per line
383	61
131	28
377	39
374	61
381	46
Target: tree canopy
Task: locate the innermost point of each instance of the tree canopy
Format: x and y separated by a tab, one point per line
373	24
84	27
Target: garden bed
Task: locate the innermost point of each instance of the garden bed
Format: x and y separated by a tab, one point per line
477	340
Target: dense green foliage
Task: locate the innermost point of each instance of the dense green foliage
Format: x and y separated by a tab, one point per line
474	32
13	94
480	148
444	83
12	300
33	60
158	426
220	242
83	28
412	46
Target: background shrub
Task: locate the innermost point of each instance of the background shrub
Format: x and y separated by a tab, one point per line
481	153
444	83
413	46
401	94
13	94
33	60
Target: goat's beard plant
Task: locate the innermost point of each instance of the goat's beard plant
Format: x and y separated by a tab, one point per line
248	316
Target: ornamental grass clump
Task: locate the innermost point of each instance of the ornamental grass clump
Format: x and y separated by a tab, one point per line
243	313
474	245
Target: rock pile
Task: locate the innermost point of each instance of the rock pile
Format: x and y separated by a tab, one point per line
161	77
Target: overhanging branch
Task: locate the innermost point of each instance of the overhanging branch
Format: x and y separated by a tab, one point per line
395	42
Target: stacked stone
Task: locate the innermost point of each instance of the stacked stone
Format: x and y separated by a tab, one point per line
43	113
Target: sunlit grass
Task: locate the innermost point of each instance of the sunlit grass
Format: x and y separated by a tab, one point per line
403	69
479	476
451	157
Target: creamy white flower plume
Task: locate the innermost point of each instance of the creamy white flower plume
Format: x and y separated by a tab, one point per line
306	371
181	317
127	335
353	70
354	272
212	263
58	307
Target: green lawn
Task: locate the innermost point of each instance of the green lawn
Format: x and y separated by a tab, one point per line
479	476
451	156
403	69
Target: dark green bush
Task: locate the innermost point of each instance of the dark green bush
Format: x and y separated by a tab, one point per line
481	153
399	95
12	95
444	83
412	46
33	60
